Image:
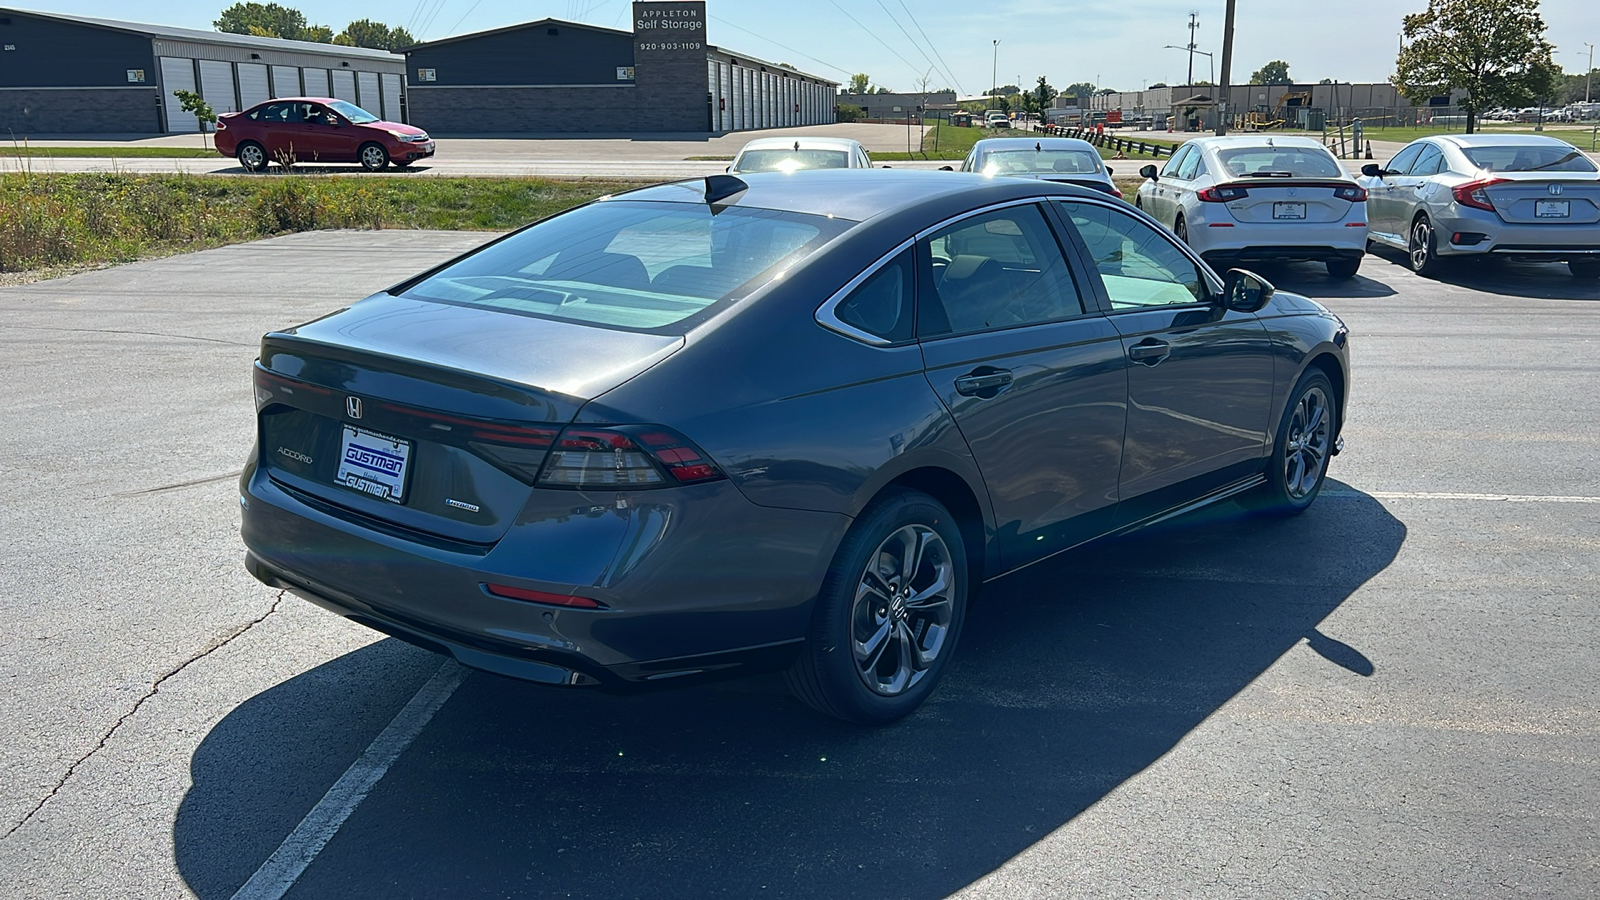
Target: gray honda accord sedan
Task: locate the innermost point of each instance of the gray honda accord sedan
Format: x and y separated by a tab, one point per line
777	422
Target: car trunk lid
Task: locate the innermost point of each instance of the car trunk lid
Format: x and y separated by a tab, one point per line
1540	198
1285	201
428	417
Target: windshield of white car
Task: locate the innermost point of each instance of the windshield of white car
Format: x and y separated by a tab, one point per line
354	113
632	265
1280	162
1040	162
786	160
1528	159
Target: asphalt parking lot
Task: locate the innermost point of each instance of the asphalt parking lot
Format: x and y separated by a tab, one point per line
1394	695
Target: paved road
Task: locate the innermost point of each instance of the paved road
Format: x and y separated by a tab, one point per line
1394	695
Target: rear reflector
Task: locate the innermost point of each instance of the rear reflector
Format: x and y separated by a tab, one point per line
1219	224
1355	224
516	593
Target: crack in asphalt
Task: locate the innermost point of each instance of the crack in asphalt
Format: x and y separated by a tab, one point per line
176	337
154	689
181	484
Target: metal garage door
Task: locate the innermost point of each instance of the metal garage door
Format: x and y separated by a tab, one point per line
367	85
216	85
391	99
253	84
177	74
286	82
316	82
344	84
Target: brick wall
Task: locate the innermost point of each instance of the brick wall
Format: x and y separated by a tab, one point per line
39	113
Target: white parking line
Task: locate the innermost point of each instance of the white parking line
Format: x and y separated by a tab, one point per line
1446	495
285	865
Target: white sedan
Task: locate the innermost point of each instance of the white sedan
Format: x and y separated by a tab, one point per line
1254	197
789	154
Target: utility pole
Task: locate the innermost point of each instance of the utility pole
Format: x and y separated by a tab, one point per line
1225	88
994	70
1194	22
1588	75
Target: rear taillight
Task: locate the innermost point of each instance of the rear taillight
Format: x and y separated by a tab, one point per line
516	593
270	386
632	456
1475	193
222	124
1222	193
1353	193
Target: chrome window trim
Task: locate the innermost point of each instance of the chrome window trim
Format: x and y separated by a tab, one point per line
826	314
1212	281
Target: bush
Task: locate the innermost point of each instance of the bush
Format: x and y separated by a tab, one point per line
849	112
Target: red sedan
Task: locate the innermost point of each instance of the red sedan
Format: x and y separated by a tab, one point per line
318	129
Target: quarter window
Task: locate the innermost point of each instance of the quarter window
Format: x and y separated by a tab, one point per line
997	270
882	305
1139	266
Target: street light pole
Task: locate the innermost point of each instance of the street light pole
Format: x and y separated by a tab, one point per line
1223	88
1588	75
994	70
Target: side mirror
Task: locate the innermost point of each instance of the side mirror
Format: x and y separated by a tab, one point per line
1149	172
1372	170
728	169
1245	291
946	169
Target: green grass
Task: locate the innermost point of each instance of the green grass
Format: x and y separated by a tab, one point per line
53	221
37	152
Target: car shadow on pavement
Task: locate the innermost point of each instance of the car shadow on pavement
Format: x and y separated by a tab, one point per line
1310	279
1072	677
1535	280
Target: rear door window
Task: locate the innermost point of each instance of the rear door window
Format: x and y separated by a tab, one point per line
1402	162
1140	266
1428	163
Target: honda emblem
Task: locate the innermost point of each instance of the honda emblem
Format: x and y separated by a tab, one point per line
1555	189
352	407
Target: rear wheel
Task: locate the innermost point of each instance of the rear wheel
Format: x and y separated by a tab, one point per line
1422	248
1584	268
373	157
1343	268
1305	438
252	156
1181	229
888	615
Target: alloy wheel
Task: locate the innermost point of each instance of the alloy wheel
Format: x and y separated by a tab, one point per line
1421	249
252	157
1306	452
373	157
902	611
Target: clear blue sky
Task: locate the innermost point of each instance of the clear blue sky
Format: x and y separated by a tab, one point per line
1115	43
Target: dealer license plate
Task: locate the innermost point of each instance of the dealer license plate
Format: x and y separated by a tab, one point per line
374	463
1552	209
1288	210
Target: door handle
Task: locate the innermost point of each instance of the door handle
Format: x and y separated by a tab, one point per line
1149	351
981	380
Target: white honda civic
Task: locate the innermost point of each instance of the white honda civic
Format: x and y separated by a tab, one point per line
1254	197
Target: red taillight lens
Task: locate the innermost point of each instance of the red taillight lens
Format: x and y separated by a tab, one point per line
516	593
1222	193
1475	193
1353	193
633	456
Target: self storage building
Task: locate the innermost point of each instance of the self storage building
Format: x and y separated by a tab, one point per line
63	74
557	76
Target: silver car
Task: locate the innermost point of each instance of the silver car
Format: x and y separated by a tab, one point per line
789	154
1066	160
1485	195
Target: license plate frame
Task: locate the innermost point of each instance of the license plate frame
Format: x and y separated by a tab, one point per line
1288	211
1546	209
375	464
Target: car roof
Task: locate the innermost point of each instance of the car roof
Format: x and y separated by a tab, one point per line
859	194
805	142
295	100
1029	143
1499	140
1236	141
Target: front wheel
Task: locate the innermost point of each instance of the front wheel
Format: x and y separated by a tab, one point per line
1303	445
888	615
1343	268
1584	268
373	157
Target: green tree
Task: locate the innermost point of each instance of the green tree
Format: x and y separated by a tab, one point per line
1081	90
1275	72
1043	93
271	20
1159	84
190	102
849	112
1494	50
374	36
859	84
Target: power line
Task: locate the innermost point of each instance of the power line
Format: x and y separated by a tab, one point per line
947	69
775	43
933	66
464	16
913	66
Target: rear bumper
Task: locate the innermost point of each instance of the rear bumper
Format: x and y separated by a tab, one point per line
697	583
1256	254
1214	232
1488	235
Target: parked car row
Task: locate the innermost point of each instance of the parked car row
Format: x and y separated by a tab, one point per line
1237	199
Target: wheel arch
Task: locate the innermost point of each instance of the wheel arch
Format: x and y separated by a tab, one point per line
953	491
1329	364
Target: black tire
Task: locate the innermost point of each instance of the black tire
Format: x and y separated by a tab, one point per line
1422	247
252	156
827	675
1181	229
373	157
1343	269
1285	494
1584	268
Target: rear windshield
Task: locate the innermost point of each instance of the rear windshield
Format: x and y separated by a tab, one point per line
1528	159
633	265
354	113
1280	162
1041	162
784	160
